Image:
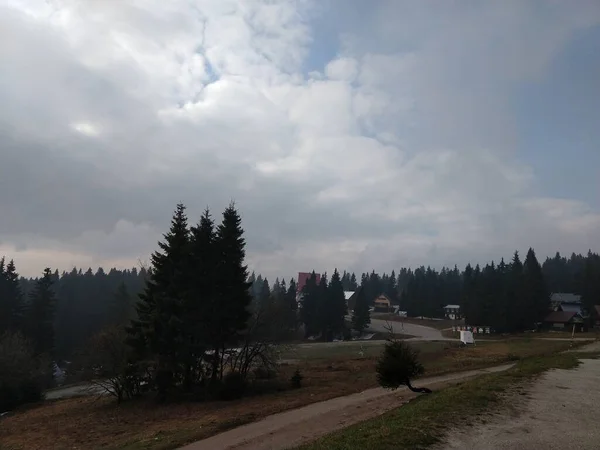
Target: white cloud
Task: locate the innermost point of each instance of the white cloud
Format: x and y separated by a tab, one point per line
400	151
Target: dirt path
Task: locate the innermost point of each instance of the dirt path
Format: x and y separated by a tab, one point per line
292	428
562	412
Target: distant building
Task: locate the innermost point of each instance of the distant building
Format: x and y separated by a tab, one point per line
566	302
351	299
303	277
564	320
452	312
383	304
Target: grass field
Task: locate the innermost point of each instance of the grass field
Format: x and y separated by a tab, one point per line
424	421
437	324
329	371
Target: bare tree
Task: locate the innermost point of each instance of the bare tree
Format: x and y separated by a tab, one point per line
105	364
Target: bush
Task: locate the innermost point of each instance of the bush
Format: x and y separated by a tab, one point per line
398	364
22	375
264	373
233	387
296	379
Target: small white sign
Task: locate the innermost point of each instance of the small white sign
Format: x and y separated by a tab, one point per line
466	337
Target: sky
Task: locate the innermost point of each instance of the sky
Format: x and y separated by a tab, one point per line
350	133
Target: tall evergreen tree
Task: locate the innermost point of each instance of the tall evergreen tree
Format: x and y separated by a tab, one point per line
157	331
515	294
11	298
40	315
361	316
231	313
537	298
309	310
121	311
201	298
336	308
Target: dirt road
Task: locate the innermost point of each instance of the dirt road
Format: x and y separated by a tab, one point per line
292	428
562	412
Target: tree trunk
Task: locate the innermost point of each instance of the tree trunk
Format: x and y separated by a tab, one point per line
419	390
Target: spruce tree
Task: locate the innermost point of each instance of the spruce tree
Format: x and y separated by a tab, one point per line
291	303
157	331
11	298
231	313
121	310
353	283
337	304
537	298
309	309
202	296
324	309
361	316
515	298
40	315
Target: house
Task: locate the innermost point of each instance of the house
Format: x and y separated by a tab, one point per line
303	277
564	320
383	304
351	299
452	312
561	301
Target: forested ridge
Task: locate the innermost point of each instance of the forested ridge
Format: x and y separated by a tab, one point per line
196	316
87	300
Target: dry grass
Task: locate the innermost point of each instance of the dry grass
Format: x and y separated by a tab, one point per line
84	423
437	324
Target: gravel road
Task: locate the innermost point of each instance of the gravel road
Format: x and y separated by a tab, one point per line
292	428
562	412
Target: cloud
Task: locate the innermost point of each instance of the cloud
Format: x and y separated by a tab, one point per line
401	150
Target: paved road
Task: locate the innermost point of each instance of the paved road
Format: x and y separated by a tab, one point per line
292	428
79	390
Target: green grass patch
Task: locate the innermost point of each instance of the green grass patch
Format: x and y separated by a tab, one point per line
425	420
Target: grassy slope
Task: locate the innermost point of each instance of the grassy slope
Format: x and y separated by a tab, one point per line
330	371
424	421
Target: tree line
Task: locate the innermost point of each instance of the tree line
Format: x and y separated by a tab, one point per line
196	315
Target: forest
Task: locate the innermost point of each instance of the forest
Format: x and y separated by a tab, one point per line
180	318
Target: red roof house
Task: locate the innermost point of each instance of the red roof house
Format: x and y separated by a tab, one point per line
303	278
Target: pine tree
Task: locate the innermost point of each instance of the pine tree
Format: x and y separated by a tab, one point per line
515	294
324	309
231	313
265	293
40	315
338	307
121	310
157	331
353	283
11	298
201	298
361	316
309	313
291	302
537	298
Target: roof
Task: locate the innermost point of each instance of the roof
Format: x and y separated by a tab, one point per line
303	278
561	297
569	307
348	294
383	297
452	307
560	317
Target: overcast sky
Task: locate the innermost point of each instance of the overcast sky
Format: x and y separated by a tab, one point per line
368	134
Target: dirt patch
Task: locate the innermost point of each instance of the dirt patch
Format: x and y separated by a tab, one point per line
560	410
